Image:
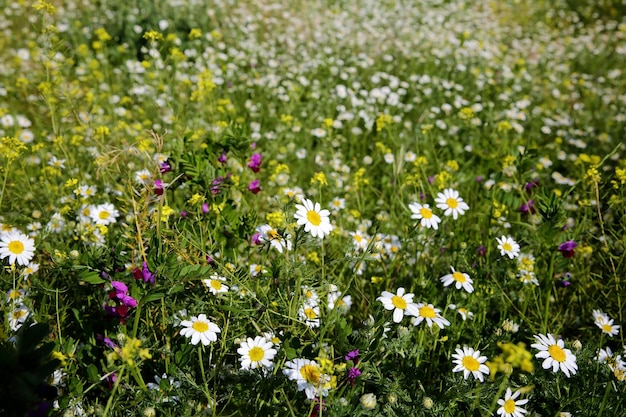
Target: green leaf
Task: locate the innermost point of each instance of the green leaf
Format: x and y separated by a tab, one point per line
92	277
152	297
92	373
176	288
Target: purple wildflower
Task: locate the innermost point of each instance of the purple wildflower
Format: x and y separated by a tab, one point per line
222	158
255	162
158	187
255	187
353	374
353	355
165	167
567	248
144	274
529	207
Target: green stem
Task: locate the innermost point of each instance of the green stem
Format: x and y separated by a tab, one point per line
606	395
546	315
113	391
204	380
4	182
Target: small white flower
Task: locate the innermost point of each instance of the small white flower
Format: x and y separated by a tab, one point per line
215	284
425	215
469	361
509	407
16	246
450	201
431	314
313	218
508	247
104	214
256	353
402	304
460	279
200	329
555	355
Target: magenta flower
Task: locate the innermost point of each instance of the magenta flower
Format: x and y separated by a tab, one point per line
255	162
205	208
222	158
119	287
165	167
144	274
352	355
255	187
158	187
567	248
353	374
529	207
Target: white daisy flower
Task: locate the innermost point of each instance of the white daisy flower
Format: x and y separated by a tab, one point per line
256	353
308	376
425	215
527	277
555	355
215	284
469	361
309	313
450	201
17	317
16	246
268	234
431	314
605	323
143	177
360	240
313	218
508	247
200	329
509	407
335	300
16	295
402	304
337	204
104	214
460	279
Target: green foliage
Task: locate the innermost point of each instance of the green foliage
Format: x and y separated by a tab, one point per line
159	153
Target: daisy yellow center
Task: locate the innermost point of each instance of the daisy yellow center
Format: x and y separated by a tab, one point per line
452	203
607	328
509	406
216	285
310	373
557	353
398	302
104	215
273	235
18	314
16	247
458	277
200	326
428	312
313	217
310	313
308	294
358	238
470	363
14	294
426	213
256	354
507	246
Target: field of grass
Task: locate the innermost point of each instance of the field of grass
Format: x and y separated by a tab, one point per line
312	208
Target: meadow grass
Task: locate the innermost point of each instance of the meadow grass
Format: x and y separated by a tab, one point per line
342	208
